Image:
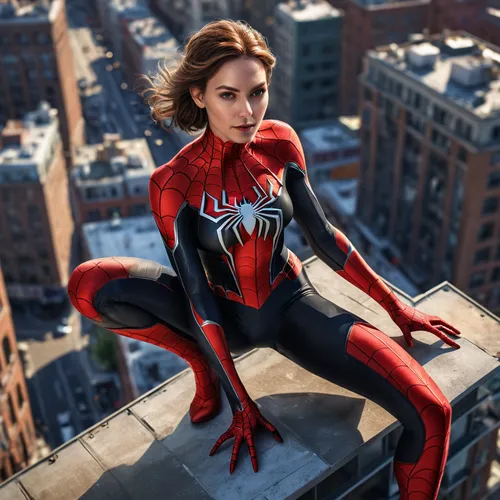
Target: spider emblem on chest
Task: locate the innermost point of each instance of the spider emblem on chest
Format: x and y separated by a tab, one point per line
248	214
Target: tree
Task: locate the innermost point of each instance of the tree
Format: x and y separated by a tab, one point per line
105	349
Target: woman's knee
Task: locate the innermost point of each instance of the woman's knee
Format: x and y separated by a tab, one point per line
88	278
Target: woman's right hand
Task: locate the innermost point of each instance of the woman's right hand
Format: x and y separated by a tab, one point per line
242	428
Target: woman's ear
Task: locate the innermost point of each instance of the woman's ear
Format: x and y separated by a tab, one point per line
197	96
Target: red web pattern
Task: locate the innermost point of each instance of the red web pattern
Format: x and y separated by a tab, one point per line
198	168
85	282
420	480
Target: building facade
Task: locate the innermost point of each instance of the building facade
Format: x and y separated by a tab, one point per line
36	63
36	224
369	24
305	88
431	160
146	43
17	433
111	180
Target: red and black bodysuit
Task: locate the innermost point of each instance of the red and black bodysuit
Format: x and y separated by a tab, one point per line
221	208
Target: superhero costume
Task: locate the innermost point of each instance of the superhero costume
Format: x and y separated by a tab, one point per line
221	208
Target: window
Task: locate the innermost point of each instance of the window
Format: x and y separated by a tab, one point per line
477	279
486	231
6	349
93	215
495	275
20	397
462	154
12	412
494	180
482	255
490	206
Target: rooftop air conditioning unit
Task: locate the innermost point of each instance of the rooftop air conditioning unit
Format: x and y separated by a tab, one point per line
470	71
423	55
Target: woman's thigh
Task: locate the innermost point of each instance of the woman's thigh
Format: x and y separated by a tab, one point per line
126	292
315	334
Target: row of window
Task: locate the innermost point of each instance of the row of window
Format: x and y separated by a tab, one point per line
25	39
478	278
485	254
97	214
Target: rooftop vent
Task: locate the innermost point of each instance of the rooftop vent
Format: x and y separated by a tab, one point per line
423	55
118	164
458	45
470	71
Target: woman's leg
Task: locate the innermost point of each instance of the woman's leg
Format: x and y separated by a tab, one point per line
144	300
342	348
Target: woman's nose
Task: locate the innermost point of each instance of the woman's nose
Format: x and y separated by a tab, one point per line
246	109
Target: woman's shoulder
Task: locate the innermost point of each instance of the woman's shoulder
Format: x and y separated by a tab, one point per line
184	158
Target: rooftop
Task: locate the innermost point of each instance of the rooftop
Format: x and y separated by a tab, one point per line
25	145
150	447
115	157
329	137
309	10
153	36
461	68
127	237
27	10
374	4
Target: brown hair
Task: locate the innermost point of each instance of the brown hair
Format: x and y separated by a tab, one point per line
168	93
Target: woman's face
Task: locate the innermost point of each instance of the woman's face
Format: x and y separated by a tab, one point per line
236	95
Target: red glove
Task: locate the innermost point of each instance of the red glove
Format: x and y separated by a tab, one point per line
411	320
244	423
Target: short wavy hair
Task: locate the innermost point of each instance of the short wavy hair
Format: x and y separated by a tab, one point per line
168	92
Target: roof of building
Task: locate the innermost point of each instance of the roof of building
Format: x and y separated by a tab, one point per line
309	10
150	447
330	137
115	157
24	158
460	67
32	11
125	237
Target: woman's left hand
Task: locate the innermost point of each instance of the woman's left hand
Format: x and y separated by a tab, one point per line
410	320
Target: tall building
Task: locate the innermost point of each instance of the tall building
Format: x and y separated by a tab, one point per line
17	432
369	24
111	179
260	15
36	224
305	86
36	64
146	42
430	166
185	17
453	15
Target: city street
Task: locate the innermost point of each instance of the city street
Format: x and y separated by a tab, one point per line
125	112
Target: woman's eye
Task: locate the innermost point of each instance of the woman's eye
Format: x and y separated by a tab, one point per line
225	94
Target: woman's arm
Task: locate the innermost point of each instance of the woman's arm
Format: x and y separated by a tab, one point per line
333	247
179	236
329	243
176	221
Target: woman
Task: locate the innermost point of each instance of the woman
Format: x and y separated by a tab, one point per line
221	205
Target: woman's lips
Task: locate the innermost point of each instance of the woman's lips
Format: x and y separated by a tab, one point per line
245	129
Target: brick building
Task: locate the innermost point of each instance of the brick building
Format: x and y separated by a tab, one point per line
111	179
17	433
431	160
36	64
369	24
36	224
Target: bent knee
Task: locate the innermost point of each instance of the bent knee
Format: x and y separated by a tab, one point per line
89	277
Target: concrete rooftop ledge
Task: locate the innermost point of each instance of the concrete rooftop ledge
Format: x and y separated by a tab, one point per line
150	449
